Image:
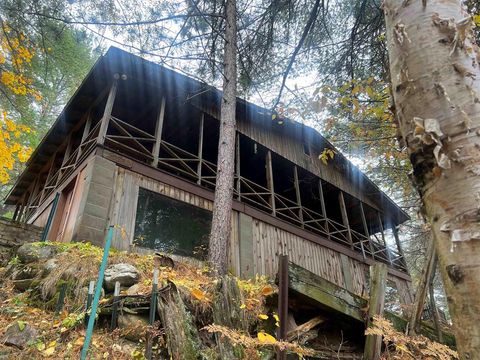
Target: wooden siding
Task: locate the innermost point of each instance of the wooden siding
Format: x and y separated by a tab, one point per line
266	241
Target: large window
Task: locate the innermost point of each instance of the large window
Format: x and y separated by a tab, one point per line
171	226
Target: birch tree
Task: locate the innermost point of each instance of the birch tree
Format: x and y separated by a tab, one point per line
434	66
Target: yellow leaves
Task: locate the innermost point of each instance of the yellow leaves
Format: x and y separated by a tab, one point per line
476	20
198	294
262	316
268	290
50	350
265	338
409	347
79	341
277	320
326	154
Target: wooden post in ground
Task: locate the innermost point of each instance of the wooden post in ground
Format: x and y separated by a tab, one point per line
282	300
116	299
378	281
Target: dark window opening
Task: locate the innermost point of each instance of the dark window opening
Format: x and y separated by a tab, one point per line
171	226
253	161
306	148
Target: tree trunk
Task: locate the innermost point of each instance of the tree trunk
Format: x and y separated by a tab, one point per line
222	207
435	81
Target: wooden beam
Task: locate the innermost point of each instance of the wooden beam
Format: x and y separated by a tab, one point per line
158	132
399	245
270	184
326	293
367	232
283	283
86	131
107	113
378	282
382	231
237	166
324	208
200	149
66	155
345	221
298	194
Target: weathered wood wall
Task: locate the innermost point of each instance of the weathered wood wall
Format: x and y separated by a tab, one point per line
255	245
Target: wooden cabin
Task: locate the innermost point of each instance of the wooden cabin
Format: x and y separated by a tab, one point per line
136	147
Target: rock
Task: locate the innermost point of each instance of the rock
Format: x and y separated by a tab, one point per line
25	272
133	326
126	274
50	265
133	290
28	253
20	334
23	285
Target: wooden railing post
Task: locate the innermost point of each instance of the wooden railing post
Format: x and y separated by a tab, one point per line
298	194
200	149
270	181
107	113
378	281
158	133
365	229
324	208
345	221
237	167
399	246
86	131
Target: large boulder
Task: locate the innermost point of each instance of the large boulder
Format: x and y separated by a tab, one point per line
133	327
28	253
126	274
20	334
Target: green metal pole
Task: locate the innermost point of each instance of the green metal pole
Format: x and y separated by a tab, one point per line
98	291
46	229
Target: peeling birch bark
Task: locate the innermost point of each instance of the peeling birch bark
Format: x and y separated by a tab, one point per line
435	75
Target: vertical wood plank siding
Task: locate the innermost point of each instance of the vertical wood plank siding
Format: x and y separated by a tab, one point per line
267	241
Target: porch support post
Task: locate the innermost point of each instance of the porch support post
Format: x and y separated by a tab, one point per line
107	113
237	166
324	208
158	132
383	238
66	155
399	246
298	195
49	176
200	149
270	181
86	131
365	229
15	214
378	282
345	221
